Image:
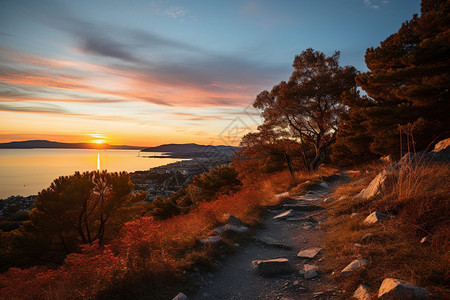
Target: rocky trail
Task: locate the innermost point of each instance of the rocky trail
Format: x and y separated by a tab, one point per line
292	228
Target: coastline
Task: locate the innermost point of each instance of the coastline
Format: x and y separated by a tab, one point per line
158	181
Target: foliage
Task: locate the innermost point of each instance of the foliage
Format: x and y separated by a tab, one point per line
204	188
353	140
82	208
265	151
408	81
310	102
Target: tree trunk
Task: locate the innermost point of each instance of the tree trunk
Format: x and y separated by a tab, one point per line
288	161
318	160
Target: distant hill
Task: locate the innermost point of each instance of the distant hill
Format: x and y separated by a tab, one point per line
49	144
178	148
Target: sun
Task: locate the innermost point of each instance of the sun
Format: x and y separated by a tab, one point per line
98	142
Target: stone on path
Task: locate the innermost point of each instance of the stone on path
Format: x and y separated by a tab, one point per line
310	271
282	195
375	217
362	293
211	240
324	185
287	214
302	207
271	241
398	289
309	253
305	198
230	227
272	266
180	296
357	263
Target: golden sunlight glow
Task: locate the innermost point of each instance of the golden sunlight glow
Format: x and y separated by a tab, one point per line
98	141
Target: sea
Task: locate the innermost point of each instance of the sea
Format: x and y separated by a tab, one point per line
27	171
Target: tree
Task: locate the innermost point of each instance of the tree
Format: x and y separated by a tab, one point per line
310	102
353	141
267	150
85	205
408	80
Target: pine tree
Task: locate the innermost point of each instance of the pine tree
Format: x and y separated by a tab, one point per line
409	79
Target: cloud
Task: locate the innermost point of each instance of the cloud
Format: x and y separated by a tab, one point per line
33	107
176	12
375	4
194	117
135	65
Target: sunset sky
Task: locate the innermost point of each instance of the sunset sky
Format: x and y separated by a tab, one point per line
143	72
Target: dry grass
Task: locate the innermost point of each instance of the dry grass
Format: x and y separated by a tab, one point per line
418	201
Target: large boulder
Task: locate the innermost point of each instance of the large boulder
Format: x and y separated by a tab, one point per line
394	289
272	266
378	184
441	153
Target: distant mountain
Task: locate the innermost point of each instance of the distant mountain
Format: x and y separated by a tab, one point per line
48	144
190	148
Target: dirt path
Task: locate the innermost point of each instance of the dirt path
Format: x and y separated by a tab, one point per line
235	278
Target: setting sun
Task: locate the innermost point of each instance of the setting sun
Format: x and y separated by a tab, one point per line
99	141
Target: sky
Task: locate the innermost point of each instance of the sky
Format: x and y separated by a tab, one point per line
151	72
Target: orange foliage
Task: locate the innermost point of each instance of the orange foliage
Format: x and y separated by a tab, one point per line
145	248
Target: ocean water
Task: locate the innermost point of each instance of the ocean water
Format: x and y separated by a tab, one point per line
28	171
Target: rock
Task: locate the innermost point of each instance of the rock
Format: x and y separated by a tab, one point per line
357	245
442	146
272	266
324	185
211	240
357	263
354	215
302	207
367	238
310	271
309	253
271	241
235	221
362	293
441	153
230	227
282	195
377	185
425	240
398	289
287	214
180	296
375	217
